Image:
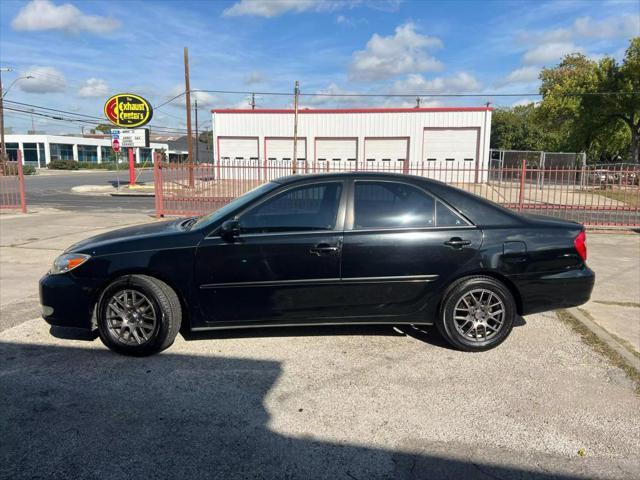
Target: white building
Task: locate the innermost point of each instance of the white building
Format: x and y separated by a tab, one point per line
384	138
39	150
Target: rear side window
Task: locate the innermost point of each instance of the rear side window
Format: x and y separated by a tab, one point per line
445	217
392	205
309	207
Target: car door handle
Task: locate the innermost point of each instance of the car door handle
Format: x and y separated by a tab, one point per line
457	242
324	249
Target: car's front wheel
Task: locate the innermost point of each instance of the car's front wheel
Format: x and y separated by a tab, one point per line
138	315
476	314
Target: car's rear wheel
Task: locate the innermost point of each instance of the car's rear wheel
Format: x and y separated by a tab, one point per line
477	313
138	315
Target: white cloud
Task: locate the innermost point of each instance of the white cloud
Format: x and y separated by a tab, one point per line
273	8
94	87
254	77
521	75
205	99
523	102
416	84
45	15
403	52
612	27
549	52
45	80
333	95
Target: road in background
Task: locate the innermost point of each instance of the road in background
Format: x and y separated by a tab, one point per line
53	190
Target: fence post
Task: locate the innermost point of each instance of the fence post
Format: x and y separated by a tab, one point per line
523	174
157	182
23	202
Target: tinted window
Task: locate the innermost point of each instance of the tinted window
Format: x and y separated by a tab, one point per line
391	205
310	207
445	217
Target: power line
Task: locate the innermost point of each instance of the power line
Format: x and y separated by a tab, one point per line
86	118
411	95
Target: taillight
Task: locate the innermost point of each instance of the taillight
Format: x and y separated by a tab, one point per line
581	245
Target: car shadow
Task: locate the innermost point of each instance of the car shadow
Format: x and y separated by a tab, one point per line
70	412
425	333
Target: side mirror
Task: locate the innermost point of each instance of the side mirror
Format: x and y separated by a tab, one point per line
230	229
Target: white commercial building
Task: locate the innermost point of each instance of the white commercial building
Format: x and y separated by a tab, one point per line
40	150
383	138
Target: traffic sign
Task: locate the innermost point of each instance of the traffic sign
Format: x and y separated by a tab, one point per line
115	145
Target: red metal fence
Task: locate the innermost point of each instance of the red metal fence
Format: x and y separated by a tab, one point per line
607	197
12	185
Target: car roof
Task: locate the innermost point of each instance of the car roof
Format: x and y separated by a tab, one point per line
358	175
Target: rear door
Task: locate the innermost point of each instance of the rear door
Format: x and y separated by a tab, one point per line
285	265
401	245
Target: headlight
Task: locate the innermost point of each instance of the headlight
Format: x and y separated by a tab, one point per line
68	261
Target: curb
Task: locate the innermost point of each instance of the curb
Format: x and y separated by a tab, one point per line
606	337
132	194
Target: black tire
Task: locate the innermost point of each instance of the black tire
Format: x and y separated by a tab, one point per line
462	289
165	307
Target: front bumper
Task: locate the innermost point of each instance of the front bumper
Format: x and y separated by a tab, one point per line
541	293
65	302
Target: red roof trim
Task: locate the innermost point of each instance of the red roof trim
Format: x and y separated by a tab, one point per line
355	110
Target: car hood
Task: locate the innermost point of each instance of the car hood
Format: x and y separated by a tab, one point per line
129	237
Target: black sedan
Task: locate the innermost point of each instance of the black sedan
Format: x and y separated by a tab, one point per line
332	249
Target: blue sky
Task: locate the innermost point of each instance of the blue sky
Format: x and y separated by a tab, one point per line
80	52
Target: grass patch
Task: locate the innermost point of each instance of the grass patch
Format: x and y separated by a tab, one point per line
591	339
630	197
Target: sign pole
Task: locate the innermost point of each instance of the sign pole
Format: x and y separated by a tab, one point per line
132	169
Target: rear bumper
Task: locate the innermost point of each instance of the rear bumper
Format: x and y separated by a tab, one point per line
540	293
65	302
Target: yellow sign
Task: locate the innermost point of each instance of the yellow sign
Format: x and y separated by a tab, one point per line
128	110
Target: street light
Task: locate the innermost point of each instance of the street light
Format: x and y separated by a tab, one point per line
24	77
3	93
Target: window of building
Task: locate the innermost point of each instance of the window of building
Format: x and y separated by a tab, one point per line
145	155
392	205
30	152
108	155
61	151
12	151
87	153
309	207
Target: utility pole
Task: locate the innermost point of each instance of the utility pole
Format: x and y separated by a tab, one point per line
253	101
195	100
3	152
296	94
187	90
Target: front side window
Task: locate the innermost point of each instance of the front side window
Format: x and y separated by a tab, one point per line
309	207
391	205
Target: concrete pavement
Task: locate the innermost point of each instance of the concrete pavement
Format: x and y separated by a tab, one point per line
615	302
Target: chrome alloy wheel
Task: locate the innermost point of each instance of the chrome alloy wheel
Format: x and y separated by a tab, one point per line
131	317
479	315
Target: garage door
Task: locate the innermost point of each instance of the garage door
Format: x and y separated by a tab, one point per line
239	158
387	151
282	149
232	148
451	150
336	149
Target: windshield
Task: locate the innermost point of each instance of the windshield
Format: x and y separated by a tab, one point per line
234	204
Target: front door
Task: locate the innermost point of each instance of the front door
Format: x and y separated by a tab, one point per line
285	264
401	246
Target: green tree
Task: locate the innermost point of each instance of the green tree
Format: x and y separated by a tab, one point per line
104	128
518	128
593	106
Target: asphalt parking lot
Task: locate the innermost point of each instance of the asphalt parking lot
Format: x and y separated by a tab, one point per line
334	403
